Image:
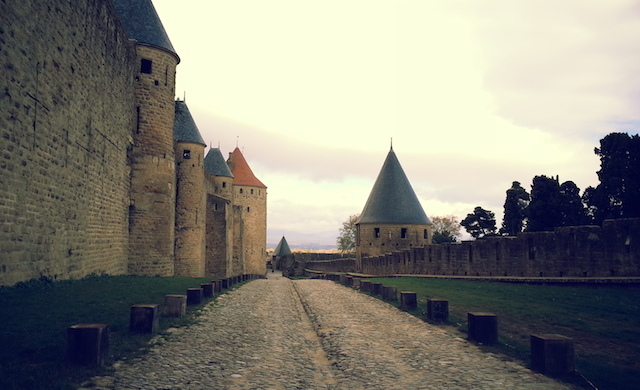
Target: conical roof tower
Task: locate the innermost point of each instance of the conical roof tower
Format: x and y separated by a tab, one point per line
283	248
184	127
215	165
392	199
241	171
143	24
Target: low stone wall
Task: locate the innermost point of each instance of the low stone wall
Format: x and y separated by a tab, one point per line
296	263
577	251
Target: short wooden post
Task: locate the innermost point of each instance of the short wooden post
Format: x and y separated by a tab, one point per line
207	290
438	310
144	318
356	282
224	283
175	305
217	286
88	344
343	279
376	288
365	286
483	327
552	354
390	293
348	281
408	300
194	296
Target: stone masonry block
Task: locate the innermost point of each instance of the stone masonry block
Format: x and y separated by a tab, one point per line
552	354
207	290
376	288
438	310
390	293
175	305
144	318
408	300
483	327
88	344
195	296
365	286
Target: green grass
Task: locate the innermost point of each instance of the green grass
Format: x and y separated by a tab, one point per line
34	317
604	322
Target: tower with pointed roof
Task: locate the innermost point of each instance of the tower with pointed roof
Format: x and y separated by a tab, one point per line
392	218
153	193
190	195
249	216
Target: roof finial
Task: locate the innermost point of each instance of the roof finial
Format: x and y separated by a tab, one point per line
237	140
391	143
184	96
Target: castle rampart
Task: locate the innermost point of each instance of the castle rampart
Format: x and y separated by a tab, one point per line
66	122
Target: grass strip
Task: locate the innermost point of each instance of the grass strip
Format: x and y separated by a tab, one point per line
603	321
35	315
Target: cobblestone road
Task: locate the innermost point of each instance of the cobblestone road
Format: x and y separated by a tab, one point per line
315	334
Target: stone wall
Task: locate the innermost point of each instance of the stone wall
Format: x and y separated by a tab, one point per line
296	263
250	229
578	251
66	119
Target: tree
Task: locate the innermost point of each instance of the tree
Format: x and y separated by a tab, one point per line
445	229
481	223
619	190
347	238
571	206
543	213
514	209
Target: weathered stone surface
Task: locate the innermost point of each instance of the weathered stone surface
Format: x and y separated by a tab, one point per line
207	290
175	305
88	344
365	286
438	310
408	300
195	296
552	354
483	327
144	318
390	293
376	288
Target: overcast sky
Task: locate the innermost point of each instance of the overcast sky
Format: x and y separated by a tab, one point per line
475	94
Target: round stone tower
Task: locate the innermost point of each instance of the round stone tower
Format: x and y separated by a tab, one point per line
153	193
249	217
190	195
392	218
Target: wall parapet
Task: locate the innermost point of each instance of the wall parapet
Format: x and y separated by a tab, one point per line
612	249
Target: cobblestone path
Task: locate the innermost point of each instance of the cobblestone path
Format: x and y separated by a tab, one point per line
315	334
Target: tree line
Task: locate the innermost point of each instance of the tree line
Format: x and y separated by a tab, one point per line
552	204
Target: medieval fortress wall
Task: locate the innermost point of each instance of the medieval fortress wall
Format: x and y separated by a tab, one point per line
91	178
66	92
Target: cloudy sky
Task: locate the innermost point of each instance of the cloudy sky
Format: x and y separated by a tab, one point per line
475	94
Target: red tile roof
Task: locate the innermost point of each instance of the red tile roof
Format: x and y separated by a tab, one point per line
241	171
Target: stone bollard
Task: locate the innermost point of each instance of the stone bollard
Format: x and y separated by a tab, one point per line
88	344
408	300
217	286
224	283
194	296
175	305
207	290
144	318
343	279
365	286
376	288
356	282
390	293
483	327
348	281
438	310
552	354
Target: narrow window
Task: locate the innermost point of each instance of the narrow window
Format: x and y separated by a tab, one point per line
224	184
145	66
252	191
241	190
248	209
425	234
377	232
186	154
403	233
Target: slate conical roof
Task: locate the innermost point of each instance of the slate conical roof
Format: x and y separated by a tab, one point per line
241	171
392	199
142	23
215	165
184	127
282	248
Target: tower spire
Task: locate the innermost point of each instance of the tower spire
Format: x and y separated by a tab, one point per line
391	143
